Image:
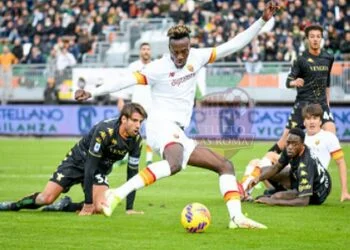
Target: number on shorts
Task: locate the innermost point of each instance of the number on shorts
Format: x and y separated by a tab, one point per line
101	179
327	116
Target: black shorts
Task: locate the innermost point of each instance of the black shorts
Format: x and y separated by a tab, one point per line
321	194
295	119
69	173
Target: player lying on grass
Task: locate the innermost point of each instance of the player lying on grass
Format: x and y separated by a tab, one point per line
305	180
323	144
89	162
173	81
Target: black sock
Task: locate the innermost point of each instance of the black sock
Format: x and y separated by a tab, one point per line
26	202
275	148
73	207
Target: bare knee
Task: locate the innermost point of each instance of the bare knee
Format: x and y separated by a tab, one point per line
227	168
45	199
175	168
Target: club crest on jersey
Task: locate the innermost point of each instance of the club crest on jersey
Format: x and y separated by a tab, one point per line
317	142
171	74
190	68
310	60
97	147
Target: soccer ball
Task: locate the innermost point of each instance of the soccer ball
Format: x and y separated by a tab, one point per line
195	217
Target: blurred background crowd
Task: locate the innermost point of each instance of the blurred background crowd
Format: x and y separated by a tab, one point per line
62	31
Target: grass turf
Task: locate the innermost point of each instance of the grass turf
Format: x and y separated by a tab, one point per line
26	164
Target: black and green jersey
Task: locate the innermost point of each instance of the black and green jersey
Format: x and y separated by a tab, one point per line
315	70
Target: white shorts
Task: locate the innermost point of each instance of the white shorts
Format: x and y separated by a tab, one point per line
161	133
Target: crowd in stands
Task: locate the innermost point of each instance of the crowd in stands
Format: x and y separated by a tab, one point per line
61	31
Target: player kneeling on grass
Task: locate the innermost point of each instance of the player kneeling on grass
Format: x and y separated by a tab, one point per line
306	181
89	162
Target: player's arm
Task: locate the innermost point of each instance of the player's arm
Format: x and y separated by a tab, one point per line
328	90
293	79
129	79
245	37
285	198
343	178
90	167
267	173
132	170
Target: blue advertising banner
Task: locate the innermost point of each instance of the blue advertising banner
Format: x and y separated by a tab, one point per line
260	123
51	120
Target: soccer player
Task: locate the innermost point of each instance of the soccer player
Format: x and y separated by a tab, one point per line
142	93
310	75
306	180
173	81
90	161
323	144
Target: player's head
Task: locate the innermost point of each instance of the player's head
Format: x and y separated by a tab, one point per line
295	142
312	115
145	52
131	117
179	44
314	34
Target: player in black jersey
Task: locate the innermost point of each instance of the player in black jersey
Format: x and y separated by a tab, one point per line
310	75
306	181
90	161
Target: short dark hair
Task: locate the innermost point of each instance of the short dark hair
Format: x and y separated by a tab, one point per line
314	109
144	44
131	108
313	27
299	132
178	32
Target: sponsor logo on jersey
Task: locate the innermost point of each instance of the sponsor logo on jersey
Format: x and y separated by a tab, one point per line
190	68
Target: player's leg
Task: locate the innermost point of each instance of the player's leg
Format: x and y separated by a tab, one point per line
161	136
205	158
149	154
35	200
295	120
328	120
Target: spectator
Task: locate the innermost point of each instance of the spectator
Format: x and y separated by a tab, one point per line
7	59
17	50
36	57
50	92
65	60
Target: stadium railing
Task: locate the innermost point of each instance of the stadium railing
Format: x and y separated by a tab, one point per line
269	79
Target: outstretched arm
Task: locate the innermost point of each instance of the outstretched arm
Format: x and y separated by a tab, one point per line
126	81
285	198
242	39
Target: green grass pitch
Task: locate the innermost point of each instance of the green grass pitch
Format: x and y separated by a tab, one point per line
26	164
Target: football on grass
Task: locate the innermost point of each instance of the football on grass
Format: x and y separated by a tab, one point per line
195	218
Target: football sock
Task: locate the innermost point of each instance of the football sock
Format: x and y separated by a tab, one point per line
147	176
27	202
149	154
73	207
253	170
229	190
275	148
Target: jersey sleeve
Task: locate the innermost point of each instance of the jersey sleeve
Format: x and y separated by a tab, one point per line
205	55
294	72
329	72
135	153
306	173
334	147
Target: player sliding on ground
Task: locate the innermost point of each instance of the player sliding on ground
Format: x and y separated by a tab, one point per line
173	81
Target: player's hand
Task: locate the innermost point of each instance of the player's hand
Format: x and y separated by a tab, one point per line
299	82
81	95
345	197
88	209
132	212
264	200
270	9
253	182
